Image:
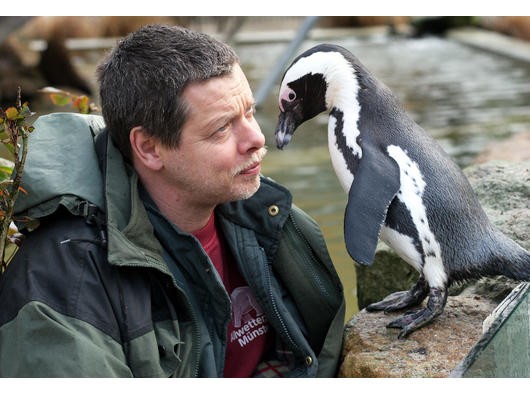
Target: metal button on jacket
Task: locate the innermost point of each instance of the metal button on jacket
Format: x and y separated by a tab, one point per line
274	210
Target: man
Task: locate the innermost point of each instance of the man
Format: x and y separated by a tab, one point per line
177	258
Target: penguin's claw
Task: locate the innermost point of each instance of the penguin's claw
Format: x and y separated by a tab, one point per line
393	302
402	299
410	322
416	319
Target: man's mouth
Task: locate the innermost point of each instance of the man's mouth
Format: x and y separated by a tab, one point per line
252	169
254	165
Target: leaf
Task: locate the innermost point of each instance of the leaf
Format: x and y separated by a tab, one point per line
60	99
25	111
5	170
81	104
11	113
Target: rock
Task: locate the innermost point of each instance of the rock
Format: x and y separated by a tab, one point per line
503	189
515	26
372	350
515	148
389	273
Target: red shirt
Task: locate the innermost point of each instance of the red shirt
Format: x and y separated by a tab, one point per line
248	336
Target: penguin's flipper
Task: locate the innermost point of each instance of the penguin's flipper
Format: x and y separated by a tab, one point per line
376	183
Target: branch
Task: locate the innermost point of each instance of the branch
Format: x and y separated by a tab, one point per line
18	131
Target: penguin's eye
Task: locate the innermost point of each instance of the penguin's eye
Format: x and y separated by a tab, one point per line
287	95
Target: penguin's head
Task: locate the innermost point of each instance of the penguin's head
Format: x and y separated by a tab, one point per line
300	100
304	90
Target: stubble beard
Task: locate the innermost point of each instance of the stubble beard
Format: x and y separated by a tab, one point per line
252	184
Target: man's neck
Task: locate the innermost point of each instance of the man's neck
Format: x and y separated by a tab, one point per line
187	218
187	215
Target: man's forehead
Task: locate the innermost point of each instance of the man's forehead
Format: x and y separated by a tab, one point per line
218	92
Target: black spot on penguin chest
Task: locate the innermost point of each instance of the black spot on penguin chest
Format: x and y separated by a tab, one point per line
351	159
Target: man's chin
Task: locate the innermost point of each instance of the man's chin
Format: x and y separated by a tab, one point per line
248	189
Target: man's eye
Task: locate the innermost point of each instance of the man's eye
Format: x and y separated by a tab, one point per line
223	128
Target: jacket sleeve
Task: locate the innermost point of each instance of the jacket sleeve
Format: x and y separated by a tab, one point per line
59	311
40	342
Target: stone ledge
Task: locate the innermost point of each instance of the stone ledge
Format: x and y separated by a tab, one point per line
493	42
372	350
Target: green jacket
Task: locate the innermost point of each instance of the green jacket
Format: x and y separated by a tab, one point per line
93	293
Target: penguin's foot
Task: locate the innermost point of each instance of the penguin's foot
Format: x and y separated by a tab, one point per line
403	299
416	319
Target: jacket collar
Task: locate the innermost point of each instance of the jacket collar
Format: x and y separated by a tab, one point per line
131	241
265	213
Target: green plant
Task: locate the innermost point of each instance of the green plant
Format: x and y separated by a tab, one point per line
14	133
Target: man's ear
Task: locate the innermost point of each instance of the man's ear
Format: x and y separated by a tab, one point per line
145	148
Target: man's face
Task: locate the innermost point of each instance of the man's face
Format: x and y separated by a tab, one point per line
221	145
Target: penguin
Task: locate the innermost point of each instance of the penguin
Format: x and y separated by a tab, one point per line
402	187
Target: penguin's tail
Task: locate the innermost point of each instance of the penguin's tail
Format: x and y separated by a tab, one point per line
512	260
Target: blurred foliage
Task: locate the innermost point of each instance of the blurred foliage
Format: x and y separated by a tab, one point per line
80	103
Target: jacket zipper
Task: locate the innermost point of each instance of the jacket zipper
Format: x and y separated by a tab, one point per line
197	336
276	311
195	327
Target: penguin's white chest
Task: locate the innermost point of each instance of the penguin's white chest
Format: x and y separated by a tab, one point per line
347	145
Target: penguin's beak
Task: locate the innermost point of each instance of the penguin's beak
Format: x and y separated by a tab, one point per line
287	124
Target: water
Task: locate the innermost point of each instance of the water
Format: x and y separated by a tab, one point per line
463	97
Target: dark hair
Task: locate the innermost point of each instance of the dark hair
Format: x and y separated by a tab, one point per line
142	79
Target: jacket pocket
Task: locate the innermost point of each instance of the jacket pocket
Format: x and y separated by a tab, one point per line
174	350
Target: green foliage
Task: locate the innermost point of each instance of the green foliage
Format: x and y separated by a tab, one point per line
14	132
5	172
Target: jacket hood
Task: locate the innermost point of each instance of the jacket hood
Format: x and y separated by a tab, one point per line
61	153
71	161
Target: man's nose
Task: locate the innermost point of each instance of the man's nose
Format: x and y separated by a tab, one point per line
251	137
